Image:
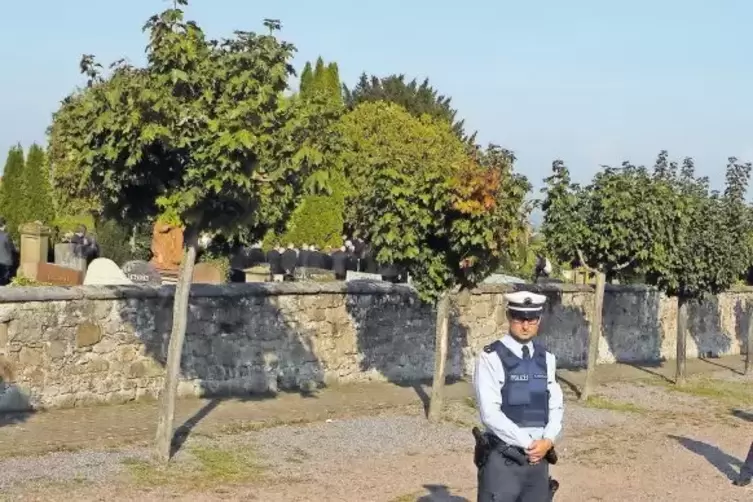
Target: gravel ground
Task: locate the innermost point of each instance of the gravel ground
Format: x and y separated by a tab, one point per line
82	466
607	455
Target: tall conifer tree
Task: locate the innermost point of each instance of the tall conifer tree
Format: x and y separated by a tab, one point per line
36	187
307	79
12	201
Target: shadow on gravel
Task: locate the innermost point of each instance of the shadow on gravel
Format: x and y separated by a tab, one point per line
726	464
710	361
181	433
651	368
569	385
440	493
742	415
14	418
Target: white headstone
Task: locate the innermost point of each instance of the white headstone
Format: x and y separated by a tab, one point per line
361	276
105	272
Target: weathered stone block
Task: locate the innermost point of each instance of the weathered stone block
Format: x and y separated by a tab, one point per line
88	334
56	349
30	357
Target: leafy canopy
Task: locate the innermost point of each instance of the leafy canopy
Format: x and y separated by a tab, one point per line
423	202
201	136
704	249
666	224
417	99
607	224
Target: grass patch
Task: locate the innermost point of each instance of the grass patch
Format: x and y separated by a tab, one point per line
728	392
206	468
602	403
408	497
242	427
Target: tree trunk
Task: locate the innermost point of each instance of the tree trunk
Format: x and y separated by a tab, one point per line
748	345
440	357
682	338
594	335
175	349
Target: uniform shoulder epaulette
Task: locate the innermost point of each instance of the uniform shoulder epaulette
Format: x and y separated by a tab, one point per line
537	345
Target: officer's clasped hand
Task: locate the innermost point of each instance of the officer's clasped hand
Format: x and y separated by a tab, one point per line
538	450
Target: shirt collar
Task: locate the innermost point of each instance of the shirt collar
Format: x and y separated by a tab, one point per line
515	345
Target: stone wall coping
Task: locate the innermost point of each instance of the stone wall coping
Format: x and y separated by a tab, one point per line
61	293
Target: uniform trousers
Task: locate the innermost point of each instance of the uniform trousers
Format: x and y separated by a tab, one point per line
503	480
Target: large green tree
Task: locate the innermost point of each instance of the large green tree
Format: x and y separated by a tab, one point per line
417	98
423	203
701	248
37	191
12	202
202	136
606	227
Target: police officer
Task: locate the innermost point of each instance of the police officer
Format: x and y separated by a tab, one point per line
521	406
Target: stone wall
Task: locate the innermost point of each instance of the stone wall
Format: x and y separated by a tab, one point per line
62	347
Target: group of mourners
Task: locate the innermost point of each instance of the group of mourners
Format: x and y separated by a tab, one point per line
354	255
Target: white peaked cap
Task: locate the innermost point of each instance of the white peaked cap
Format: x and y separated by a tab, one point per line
525	301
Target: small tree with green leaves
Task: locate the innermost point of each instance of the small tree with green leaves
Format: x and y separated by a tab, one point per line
36	187
12	202
605	227
702	248
202	136
423	203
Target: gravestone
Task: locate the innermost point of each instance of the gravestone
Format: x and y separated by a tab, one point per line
206	273
258	273
362	276
103	272
313	274
35	238
141	272
69	255
49	273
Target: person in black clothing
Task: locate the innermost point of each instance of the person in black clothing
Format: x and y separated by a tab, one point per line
340	263
304	256
7	255
368	262
274	258
289	261
85	246
255	256
316	259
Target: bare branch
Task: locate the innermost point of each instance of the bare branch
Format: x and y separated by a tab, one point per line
262	178
620	267
584	263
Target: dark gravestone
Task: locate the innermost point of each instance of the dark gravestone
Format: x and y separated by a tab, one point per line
141	272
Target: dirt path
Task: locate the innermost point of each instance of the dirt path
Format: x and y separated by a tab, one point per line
638	440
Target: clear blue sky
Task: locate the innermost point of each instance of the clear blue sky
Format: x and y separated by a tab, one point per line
592	82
